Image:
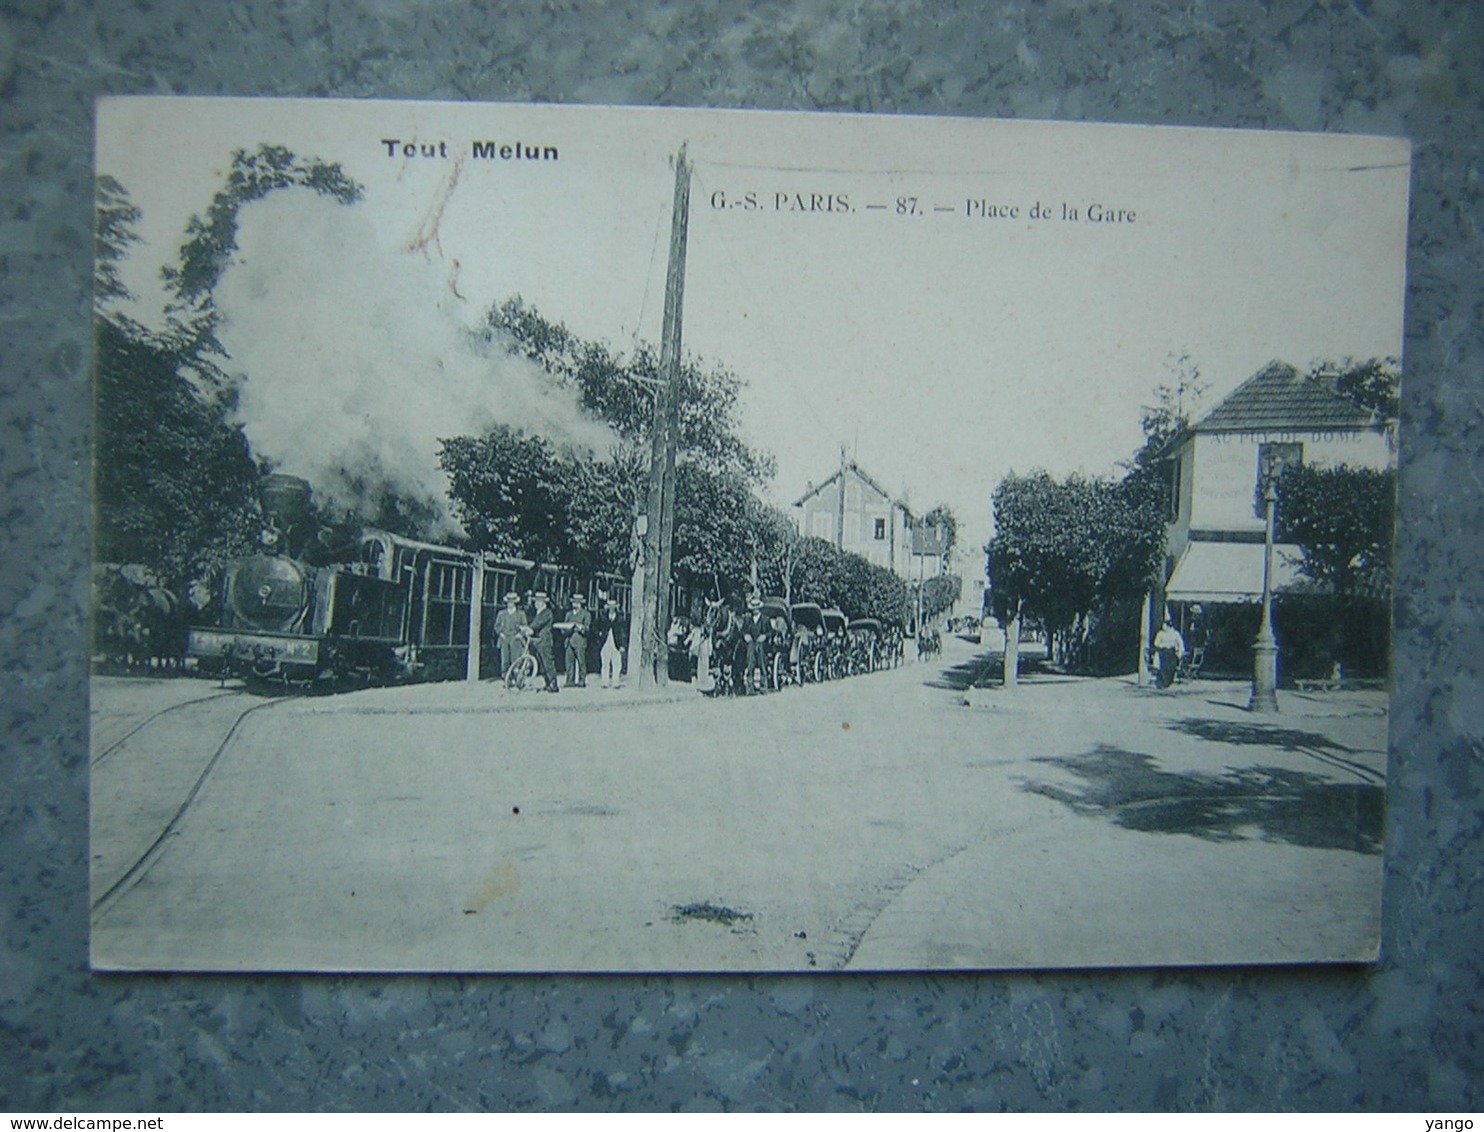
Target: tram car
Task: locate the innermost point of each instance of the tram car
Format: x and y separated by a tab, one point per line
384	610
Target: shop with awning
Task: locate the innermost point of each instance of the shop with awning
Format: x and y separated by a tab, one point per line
1219	573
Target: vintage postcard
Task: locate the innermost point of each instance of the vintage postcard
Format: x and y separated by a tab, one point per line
549	538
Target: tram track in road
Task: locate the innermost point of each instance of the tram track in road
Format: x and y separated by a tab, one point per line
152	717
142	860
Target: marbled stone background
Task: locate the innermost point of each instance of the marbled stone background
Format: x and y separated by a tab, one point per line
1405	1035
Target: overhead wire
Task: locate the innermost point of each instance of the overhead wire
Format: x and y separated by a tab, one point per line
654	250
744	285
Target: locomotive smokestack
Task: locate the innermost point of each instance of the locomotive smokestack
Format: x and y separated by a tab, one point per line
286	500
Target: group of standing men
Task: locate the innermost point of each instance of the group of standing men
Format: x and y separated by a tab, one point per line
536	626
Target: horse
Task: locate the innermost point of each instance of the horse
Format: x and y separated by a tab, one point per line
723	629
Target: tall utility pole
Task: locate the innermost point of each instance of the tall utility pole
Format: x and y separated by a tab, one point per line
651	618
840	505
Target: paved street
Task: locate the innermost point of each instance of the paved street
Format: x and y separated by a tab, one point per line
872	823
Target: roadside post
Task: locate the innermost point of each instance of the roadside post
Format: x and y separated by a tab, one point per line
476	616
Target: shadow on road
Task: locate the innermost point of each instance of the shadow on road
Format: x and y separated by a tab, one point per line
1290	739
985	669
1263	803
979	667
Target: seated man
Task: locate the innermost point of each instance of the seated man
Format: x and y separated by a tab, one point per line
755	630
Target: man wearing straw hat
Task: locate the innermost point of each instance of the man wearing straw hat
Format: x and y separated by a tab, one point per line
508	625
579	621
542	640
613	635
755	630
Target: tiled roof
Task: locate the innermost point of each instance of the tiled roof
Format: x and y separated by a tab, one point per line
1279	397
867	480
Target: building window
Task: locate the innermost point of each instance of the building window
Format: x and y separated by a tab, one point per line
1271	460
878	529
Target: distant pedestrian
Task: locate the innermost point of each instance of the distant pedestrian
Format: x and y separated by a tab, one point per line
579	622
509	623
612	633
1169	648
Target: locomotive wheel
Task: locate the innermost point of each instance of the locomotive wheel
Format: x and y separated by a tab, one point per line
776	675
334	672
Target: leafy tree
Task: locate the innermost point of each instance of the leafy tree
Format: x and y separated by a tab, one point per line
723	534
1064	552
1374	384
212	239
1342	519
943	519
1176	403
873	591
1146	474
773	543
621	390
714	512
601	499
820	572
114	220
940	593
1039	559
175	484
508	489
519	495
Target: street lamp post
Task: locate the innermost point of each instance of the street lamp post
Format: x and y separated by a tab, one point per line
1265	648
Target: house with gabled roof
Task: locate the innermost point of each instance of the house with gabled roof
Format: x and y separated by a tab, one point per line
1214	537
855	513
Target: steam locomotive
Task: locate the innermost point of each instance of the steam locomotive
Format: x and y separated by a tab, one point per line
383	610
391	610
378	608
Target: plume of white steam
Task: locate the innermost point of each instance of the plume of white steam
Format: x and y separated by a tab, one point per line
356	359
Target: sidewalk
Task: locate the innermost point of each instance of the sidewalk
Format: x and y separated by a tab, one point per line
1121	693
1166	827
460	697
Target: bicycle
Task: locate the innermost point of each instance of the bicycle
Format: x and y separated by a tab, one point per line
524	668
